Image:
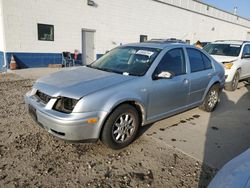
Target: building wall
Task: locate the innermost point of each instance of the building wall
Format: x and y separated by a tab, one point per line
115	21
1	36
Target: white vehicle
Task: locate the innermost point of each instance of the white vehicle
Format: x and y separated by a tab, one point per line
235	55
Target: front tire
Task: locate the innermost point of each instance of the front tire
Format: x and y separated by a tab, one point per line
248	80
211	99
121	127
232	86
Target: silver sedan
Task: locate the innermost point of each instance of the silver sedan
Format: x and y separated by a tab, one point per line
130	86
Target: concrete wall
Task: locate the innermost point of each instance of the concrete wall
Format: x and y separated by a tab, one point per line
115	22
1	27
1	36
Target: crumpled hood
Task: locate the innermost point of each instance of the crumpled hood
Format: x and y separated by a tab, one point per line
78	82
222	59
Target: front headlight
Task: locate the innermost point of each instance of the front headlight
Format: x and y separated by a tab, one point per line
228	65
64	104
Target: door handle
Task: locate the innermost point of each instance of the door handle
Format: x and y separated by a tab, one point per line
185	81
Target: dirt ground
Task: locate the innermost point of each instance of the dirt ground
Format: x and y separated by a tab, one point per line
30	157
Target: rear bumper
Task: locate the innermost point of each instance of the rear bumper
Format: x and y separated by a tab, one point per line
70	127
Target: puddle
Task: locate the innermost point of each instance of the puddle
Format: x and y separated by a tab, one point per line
150	134
196	116
174	125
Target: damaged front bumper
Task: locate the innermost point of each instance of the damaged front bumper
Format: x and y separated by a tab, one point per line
70	127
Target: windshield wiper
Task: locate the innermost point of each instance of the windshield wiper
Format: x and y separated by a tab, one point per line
133	74
106	69
111	70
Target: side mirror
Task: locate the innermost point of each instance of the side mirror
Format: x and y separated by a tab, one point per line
163	75
246	56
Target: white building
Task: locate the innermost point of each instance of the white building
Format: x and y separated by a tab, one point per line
36	32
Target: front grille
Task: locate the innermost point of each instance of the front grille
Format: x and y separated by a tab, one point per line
43	97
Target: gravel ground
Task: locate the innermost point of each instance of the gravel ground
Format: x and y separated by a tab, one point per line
30	157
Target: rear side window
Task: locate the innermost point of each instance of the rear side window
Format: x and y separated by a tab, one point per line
173	61
207	61
198	61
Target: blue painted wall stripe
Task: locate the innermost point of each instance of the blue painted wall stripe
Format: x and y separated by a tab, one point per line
28	60
33	60
1	60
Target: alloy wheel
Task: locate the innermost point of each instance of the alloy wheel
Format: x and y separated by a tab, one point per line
123	127
213	98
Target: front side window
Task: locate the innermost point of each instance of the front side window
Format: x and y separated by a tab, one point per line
45	32
127	60
174	62
223	49
246	50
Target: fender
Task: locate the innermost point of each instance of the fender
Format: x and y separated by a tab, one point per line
213	81
122	97
117	100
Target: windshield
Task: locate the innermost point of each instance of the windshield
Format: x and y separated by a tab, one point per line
223	49
127	60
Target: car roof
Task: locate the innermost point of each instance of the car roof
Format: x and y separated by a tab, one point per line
157	44
239	42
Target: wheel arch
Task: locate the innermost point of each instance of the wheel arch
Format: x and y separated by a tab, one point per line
239	69
211	84
137	105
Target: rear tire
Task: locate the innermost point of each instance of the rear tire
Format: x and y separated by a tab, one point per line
121	127
211	99
232	86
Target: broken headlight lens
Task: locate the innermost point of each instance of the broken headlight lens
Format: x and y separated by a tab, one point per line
64	104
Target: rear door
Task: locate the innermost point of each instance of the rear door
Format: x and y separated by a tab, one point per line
245	62
201	72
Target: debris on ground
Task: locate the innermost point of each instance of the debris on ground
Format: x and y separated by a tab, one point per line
31	157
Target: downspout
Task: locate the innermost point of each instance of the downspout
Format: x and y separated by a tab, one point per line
5	65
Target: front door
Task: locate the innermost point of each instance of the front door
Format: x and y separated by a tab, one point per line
167	96
88	47
245	62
